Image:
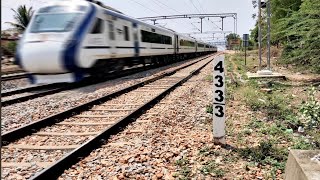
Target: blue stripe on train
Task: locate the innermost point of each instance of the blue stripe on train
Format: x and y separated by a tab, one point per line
31	78
136	41
17	57
71	51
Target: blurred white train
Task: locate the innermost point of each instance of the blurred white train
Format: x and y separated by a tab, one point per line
68	40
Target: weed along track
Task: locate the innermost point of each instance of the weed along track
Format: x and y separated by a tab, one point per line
47	147
263	120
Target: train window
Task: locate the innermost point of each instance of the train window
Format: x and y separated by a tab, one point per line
187	43
61	9
167	40
200	45
111	30
97	28
155	38
60	22
126	33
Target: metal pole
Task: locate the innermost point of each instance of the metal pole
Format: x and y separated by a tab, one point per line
234	24
269	38
237	24
201	24
222	22
259	34
245	55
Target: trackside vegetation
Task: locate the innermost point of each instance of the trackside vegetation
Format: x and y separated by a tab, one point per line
296	30
262	126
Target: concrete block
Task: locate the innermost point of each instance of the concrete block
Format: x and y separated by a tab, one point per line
259	76
300	165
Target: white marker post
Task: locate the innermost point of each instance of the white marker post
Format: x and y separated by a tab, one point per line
219	107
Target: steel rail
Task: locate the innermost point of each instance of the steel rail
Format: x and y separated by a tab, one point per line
14	76
28	129
32	96
55	170
8	72
54	89
26	89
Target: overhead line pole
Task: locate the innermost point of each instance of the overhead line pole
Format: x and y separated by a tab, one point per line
189	16
236	23
222	21
259	35
201	16
208	32
269	31
201	23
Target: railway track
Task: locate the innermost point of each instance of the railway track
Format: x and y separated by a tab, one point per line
14	76
24	94
86	127
25	89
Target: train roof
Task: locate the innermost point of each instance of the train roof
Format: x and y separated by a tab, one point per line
114	12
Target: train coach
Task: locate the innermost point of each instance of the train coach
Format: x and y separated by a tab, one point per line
68	40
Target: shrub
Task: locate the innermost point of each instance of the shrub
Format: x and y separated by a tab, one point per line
12	46
310	111
265	154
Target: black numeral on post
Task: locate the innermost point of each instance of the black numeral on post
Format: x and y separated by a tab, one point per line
220	111
219	67
220	81
220	97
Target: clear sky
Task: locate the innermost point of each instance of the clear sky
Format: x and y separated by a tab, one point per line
143	8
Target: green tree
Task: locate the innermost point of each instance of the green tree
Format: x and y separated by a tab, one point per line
254	33
281	11
232	36
22	17
12	46
302	35
284	8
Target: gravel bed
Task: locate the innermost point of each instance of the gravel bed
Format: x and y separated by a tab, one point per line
9	155
177	132
14	84
15	96
122	113
88	120
52	140
23	172
72	129
26	156
33	110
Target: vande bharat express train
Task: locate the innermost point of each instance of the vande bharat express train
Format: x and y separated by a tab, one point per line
69	40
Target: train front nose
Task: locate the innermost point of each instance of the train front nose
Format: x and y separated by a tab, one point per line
42	57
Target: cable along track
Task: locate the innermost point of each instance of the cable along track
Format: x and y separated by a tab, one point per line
72	134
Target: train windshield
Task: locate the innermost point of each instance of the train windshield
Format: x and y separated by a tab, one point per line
59	22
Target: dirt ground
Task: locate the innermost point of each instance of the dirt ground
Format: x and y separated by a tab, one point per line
253	130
